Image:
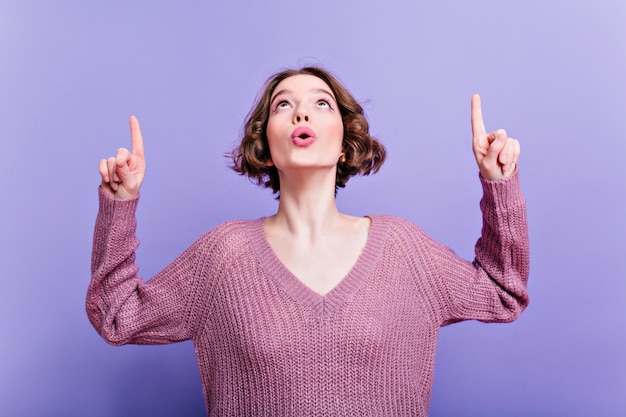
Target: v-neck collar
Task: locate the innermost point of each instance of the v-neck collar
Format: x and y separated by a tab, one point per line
322	305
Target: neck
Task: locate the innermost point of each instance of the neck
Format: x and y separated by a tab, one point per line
307	202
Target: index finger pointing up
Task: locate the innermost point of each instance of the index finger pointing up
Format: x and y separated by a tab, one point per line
135	136
478	126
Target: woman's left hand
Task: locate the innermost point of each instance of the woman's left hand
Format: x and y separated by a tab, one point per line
496	154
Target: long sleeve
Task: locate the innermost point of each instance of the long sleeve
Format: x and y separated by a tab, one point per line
268	345
492	288
120	305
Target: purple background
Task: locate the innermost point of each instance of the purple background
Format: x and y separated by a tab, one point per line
553	73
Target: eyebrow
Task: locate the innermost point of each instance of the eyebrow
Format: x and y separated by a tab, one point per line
316	90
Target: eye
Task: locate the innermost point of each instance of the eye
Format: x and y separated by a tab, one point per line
324	104
283	104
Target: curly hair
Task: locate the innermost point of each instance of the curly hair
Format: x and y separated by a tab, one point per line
363	153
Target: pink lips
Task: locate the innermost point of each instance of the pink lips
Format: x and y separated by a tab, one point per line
303	136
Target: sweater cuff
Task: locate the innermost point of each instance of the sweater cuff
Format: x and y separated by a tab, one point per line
112	209
503	193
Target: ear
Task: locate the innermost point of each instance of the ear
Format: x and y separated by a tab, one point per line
342	157
269	163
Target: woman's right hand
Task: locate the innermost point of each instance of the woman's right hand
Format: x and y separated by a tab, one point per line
122	174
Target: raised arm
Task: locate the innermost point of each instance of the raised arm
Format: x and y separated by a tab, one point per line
120	305
492	288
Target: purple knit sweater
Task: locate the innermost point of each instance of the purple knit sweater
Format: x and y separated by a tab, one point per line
269	346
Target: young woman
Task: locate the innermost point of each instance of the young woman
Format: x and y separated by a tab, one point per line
310	311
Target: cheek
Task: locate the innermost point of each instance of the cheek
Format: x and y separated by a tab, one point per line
274	134
271	131
337	130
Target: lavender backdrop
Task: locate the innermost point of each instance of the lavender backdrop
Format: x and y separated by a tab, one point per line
551	72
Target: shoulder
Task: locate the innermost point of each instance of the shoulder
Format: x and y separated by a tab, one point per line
397	228
406	240
393	223
230	227
230	237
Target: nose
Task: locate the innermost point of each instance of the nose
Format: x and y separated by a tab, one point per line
300	116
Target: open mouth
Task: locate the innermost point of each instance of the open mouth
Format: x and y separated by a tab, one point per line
302	132
303	136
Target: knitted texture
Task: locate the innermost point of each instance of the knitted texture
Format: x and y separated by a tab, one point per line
267	345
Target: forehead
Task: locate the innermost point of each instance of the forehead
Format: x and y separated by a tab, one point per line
302	83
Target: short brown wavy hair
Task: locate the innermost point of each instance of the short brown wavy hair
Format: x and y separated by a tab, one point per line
363	153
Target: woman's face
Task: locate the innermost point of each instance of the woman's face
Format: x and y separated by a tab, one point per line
305	128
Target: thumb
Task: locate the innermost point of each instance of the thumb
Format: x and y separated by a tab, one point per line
497	141
129	186
123	172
